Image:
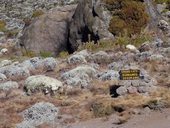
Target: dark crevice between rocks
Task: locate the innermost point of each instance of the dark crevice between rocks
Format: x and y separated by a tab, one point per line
94	13
113	92
84	32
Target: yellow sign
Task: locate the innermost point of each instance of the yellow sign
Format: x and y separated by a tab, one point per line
129	74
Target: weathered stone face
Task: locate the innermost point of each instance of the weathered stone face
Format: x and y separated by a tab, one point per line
66	27
88	23
48	33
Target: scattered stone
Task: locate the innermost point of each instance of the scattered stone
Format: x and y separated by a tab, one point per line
4	51
42	83
80	76
109	75
167	14
122	90
143	56
76	59
33	64
39	64
38	114
8	85
15	72
117	66
5	63
49	64
2	77
101	57
156	57
132	90
163	25
145	47
132	48
146	89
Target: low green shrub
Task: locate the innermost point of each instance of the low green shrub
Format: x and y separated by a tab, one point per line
127	14
63	54
37	13
2	26
45	54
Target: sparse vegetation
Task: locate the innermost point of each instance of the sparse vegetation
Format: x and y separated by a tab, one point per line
128	15
119	42
37	13
63	54
2	26
45	54
28	53
160	1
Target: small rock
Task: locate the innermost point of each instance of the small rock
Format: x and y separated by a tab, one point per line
109	75
84	53
122	90
101	57
33	64
145	47
156	57
117	66
132	90
163	25
132	48
146	89
80	76
143	56
4	51
5	63
39	64
76	59
8	85
2	77
167	14
38	114
49	64
42	83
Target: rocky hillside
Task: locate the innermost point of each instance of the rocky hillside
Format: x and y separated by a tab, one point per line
62	62
15	14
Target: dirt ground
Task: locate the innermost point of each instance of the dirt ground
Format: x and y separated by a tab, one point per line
154	119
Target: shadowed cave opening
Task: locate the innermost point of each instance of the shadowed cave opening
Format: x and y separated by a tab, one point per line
113	92
84	32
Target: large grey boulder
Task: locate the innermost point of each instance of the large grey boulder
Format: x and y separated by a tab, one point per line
48	33
38	114
42	83
89	22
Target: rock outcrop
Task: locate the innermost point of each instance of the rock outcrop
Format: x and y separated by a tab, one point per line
38	114
48	33
89	22
42	83
64	28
